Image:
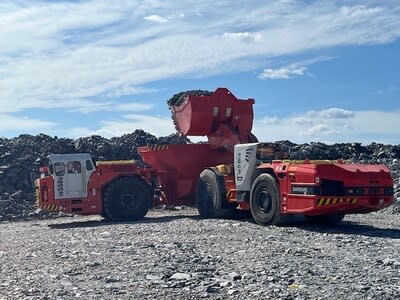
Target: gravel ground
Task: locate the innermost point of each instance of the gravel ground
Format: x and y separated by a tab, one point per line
174	254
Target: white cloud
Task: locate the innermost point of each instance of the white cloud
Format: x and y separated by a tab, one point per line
332	113
357	126
23	124
340	126
134	107
243	36
61	51
283	73
270	120
156	18
319	130
63	54
360	11
292	70
90	107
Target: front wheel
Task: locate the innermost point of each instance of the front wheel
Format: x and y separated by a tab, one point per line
127	199
265	204
210	196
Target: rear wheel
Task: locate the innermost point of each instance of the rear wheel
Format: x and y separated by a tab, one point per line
265	202
327	220
127	199
210	196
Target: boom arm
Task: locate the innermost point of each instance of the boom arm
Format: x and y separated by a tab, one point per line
224	119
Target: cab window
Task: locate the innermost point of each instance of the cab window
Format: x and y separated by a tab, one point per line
59	168
89	165
74	167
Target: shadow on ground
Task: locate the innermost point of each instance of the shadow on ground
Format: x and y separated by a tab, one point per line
352	228
104	222
345	227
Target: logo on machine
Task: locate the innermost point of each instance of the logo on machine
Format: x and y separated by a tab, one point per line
239	167
305	190
60	186
239	163
299	190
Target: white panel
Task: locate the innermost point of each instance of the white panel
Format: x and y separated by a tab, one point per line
245	163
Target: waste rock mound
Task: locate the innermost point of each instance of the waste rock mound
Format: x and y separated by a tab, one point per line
178	98
21	157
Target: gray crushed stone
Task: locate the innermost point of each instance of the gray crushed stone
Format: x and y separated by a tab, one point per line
176	255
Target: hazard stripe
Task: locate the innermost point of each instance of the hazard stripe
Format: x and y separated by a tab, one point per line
49	207
332	201
158	147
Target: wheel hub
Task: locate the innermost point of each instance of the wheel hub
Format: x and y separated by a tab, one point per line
265	201
128	200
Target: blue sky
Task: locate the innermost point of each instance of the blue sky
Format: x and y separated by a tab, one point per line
319	70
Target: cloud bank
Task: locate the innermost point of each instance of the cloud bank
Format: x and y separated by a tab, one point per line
85	55
332	125
77	50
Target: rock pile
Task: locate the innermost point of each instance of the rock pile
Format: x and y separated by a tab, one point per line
177	99
21	157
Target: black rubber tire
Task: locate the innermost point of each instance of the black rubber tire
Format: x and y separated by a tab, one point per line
326	220
127	199
210	196
265	204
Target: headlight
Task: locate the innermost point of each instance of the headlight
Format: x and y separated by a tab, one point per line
357	191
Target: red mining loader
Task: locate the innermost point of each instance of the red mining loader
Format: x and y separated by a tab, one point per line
231	172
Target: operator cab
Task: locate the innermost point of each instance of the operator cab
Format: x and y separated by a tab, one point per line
71	173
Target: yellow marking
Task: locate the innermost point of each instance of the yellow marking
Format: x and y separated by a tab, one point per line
332	201
158	147
224	169
37	198
49	207
316	162
115	162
